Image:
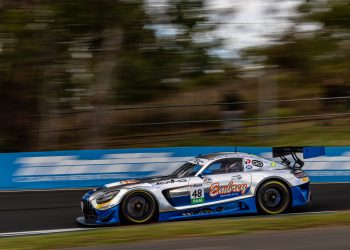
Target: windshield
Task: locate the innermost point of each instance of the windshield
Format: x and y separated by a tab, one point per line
186	170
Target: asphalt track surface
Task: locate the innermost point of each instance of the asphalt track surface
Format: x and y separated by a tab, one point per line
317	238
44	210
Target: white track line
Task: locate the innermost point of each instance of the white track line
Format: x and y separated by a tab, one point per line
46	190
39	232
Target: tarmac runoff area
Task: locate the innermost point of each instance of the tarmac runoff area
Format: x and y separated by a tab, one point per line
336	238
43	212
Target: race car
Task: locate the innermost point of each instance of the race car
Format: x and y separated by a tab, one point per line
212	185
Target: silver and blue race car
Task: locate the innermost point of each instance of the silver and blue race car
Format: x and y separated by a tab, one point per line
218	184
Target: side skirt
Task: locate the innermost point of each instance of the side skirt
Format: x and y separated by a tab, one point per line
245	206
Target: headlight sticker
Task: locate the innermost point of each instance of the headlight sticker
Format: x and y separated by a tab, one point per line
98	206
129	182
106	197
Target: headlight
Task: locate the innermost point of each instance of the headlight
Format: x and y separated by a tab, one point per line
106	197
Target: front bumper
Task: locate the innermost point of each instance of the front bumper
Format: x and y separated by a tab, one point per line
95	217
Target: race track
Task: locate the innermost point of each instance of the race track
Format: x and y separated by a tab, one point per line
302	239
43	210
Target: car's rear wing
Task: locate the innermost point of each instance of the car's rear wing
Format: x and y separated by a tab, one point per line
308	152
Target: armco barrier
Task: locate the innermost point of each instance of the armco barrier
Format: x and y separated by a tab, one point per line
90	168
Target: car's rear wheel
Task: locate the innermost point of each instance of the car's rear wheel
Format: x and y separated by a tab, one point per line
273	197
138	207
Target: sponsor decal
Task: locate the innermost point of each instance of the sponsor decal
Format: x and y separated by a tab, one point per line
248	167
247	161
198	212
257	163
204	210
216	189
197	194
207	179
196	185
199	161
171	181
236	177
273	164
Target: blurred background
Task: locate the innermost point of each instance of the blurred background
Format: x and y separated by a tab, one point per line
90	74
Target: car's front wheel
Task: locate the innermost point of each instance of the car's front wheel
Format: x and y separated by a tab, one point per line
273	197
138	207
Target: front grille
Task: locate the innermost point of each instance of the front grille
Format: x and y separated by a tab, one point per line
89	211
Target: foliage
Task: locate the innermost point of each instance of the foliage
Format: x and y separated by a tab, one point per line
318	55
60	56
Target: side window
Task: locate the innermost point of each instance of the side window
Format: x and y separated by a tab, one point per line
224	166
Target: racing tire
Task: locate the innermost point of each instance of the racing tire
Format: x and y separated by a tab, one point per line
273	197
138	207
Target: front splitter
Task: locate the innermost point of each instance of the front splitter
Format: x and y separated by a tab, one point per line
81	220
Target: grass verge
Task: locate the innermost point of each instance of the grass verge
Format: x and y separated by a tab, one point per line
171	230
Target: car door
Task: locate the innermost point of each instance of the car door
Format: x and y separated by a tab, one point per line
221	180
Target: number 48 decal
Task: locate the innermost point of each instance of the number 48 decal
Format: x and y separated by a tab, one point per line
197	194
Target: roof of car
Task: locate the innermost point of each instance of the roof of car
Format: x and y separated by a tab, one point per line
220	155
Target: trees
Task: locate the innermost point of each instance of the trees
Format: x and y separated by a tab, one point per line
318	54
62	55
86	55
195	41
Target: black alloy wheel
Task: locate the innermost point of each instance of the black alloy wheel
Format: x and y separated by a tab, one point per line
273	197
138	207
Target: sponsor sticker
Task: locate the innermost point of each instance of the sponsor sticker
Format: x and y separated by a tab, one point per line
200	211
236	177
230	188
207	179
257	163
197	194
273	164
171	181
248	167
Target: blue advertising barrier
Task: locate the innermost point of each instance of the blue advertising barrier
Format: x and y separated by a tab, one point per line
91	168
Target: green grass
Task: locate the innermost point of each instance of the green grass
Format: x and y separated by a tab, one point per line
197	228
305	134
